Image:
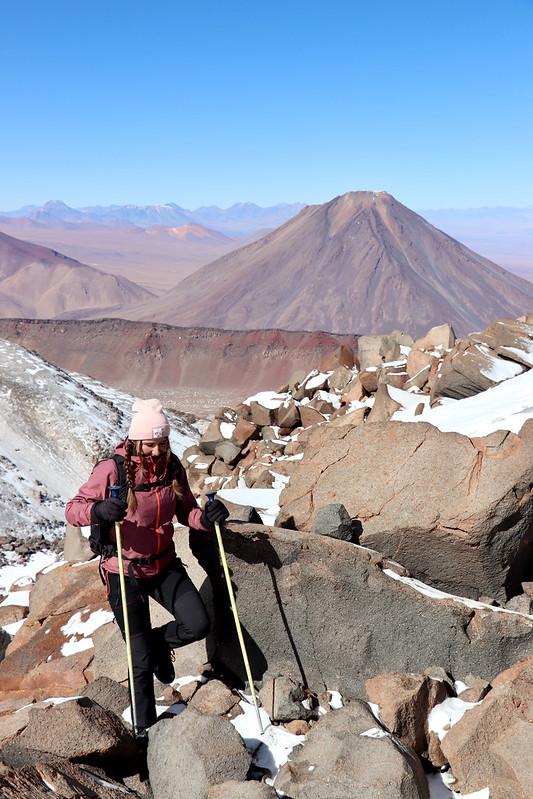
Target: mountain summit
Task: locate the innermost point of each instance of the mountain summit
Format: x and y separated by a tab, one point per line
362	262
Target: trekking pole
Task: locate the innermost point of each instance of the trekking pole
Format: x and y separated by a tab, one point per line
113	490
210	497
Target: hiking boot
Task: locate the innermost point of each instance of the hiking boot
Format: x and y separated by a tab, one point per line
163	665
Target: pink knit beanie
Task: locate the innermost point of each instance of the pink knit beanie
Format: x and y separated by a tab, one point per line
149	421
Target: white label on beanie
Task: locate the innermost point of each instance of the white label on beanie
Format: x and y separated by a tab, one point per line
157	432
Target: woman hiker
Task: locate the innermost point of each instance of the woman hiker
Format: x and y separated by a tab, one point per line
154	489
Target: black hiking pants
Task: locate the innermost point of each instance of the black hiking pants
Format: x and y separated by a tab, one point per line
174	590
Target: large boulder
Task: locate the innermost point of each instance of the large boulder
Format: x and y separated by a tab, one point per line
492	745
318	610
75	729
348	754
48	657
191	752
456	512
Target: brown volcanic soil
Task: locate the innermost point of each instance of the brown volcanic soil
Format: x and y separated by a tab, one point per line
41	283
191	369
361	262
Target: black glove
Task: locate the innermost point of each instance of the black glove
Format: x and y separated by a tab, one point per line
108	510
214	511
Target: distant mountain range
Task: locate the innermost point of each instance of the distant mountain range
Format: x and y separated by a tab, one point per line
240	219
361	263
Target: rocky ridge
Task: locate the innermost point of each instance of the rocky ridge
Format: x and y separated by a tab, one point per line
315	602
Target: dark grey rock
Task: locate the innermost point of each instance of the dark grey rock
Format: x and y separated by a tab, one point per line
5	639
191	752
109	694
333	520
328	613
348	754
74	730
283	698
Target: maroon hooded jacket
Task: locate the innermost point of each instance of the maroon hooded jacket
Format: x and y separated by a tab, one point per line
149	530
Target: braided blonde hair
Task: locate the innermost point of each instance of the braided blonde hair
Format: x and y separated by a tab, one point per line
171	470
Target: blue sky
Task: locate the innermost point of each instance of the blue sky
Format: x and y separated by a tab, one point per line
221	102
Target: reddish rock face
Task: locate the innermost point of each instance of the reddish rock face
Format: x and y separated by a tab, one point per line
405	701
455	511
34	665
492	745
186	366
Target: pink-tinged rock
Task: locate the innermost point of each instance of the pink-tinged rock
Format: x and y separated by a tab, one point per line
34	664
9	614
492	745
405	701
214	697
313	382
12	723
288	414
512	339
261	415
66	588
38	668
76	547
342	356
369	380
251	456
356	392
310	416
485	359
384	405
338	381
417	360
349	418
320	404
456	512
394	376
228	452
61	778
200	467
441	336
244	432
221	469
211	438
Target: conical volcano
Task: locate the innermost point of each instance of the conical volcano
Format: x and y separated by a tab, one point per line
362	263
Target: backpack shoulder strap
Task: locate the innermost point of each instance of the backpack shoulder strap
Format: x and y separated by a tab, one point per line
123	485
